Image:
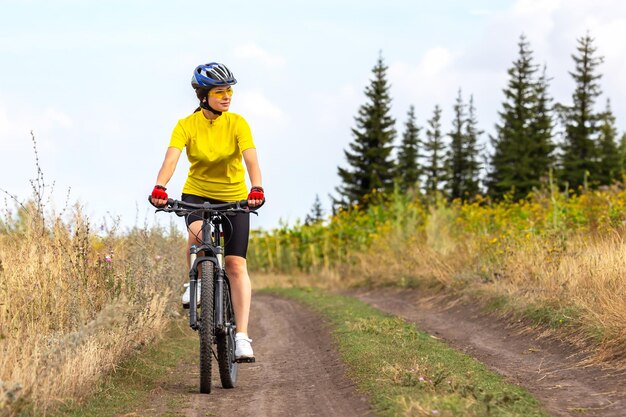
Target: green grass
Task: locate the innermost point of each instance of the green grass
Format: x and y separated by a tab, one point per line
406	372
135	378
547	315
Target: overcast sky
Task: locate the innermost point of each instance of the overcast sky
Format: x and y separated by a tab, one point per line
103	83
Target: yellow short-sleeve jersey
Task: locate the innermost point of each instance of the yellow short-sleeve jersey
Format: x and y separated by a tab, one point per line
214	149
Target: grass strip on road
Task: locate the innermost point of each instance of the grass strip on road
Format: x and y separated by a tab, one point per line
406	372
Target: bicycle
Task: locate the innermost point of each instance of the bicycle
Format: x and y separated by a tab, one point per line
215	320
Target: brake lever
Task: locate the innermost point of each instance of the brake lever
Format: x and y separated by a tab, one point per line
166	208
241	210
253	210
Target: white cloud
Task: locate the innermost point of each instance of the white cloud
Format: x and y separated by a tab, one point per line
535	7
77	39
433	80
255	105
4	122
481	12
54	129
25	116
55	118
260	56
335	108
610	39
14	125
435	61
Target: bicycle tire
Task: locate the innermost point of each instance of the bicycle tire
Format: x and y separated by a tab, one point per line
226	344
206	326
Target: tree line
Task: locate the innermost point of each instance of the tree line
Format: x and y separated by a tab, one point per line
534	140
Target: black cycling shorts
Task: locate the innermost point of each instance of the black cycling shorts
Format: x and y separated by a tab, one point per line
236	227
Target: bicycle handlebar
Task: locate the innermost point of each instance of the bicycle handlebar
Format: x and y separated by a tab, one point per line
181	207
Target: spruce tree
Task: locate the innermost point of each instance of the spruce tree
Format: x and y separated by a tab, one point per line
522	143
370	165
580	151
622	156
610	168
471	173
317	212
455	159
542	147
407	167
434	152
462	164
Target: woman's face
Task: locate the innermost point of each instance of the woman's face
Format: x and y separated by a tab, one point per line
219	98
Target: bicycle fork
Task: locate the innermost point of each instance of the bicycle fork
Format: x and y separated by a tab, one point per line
193	288
219	293
218	300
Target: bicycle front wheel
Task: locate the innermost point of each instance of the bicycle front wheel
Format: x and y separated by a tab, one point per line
206	326
226	343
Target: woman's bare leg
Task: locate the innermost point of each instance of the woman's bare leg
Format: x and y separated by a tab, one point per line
241	290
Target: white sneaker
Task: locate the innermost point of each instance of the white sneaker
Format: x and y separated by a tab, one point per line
187	295
243	348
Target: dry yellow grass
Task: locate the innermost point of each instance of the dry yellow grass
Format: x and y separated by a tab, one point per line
588	273
73	303
325	280
585	275
562	264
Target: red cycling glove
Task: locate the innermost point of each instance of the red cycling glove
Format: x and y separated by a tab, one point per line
159	192
256	193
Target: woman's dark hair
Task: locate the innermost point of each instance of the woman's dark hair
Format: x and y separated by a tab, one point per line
201	93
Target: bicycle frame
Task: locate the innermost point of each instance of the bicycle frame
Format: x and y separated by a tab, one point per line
213	252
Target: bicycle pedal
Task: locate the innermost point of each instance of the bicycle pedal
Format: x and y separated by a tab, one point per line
245	360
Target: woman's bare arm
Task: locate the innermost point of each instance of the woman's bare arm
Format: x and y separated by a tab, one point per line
169	166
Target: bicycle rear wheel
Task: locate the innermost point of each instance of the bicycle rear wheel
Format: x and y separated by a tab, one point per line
226	343
206	326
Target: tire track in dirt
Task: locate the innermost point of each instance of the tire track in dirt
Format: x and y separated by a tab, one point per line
297	373
549	369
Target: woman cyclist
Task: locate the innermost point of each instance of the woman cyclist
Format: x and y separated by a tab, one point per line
216	141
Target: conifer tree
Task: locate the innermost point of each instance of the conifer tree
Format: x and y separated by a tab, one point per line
434	152
522	144
369	158
580	150
622	156
542	147
317	212
455	158
462	164
471	180
407	166
610	168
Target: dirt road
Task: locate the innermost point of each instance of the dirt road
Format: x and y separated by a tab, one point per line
548	369
297	373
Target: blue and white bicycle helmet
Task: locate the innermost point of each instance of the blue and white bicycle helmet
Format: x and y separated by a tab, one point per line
212	74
